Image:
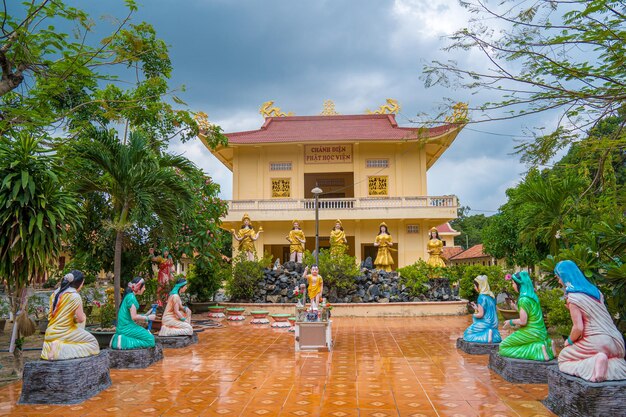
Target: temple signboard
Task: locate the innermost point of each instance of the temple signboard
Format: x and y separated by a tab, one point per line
328	154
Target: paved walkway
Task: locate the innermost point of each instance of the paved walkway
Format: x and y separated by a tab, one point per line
380	367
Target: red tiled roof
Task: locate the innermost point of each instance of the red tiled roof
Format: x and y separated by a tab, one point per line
332	128
445	228
475	251
450	251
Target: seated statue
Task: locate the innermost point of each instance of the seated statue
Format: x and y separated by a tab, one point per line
594	350
128	334
176	319
484	328
66	337
531	341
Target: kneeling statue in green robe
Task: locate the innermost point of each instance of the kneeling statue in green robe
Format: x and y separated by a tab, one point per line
128	334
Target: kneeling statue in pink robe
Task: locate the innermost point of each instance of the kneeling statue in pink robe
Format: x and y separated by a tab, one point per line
594	350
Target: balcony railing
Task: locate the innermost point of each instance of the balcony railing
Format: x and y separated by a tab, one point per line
343	203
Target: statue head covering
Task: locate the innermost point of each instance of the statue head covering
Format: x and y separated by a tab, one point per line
433	229
245	216
483	286
575	280
165	249
179	284
293	223
525	285
338	221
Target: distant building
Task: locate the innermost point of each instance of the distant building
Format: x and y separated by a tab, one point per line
474	256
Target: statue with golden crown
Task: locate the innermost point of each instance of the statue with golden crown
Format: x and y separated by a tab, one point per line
384	260
296	240
246	236
434	247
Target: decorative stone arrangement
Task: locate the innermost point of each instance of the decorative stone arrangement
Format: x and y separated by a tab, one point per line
476	348
281	320
570	396
217	312
235	313
372	286
519	370
48	382
259	317
135	358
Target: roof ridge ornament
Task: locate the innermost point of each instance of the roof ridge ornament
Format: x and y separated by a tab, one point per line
329	109
392	107
459	114
267	110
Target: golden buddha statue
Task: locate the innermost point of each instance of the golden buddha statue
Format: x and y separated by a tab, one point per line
296	240
246	236
338	241
435	249
384	260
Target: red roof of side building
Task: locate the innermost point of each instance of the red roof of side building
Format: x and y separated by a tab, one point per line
374	127
446	228
475	251
451	251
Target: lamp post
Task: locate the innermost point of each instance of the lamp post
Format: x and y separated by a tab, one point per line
316	192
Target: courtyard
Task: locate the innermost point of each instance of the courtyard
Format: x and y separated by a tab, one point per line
379	367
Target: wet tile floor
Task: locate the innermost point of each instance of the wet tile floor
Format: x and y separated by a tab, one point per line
379	367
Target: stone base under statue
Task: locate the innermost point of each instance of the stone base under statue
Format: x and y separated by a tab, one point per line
177	342
520	371
51	382
570	396
474	348
135	358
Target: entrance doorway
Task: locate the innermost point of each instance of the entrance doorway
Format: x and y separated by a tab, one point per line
334	184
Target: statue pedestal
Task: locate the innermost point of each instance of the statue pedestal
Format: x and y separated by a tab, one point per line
51	382
570	396
235	314
520	371
176	342
259	317
476	348
314	335
281	320
135	358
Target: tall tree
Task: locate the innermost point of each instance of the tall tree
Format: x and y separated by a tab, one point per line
37	213
138	181
470	226
550	54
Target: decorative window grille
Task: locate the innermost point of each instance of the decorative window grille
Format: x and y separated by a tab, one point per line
281	187
280	166
377	163
412	228
378	185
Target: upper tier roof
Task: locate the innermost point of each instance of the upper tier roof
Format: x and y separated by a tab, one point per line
376	127
339	128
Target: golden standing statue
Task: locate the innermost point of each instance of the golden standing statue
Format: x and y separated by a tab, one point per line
246	237
296	240
435	249
384	260
338	241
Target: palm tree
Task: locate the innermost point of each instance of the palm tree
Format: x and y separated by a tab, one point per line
36	213
138	181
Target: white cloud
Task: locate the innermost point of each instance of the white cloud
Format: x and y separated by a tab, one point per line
423	19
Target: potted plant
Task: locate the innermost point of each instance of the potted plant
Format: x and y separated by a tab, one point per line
107	315
4	313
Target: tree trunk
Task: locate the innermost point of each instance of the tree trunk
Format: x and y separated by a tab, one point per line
117	267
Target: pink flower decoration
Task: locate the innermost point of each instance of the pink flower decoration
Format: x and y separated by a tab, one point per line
507	277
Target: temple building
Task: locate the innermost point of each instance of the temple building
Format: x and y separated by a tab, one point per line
368	168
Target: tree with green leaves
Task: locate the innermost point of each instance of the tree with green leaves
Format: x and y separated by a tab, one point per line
566	55
470	227
139	183
37	213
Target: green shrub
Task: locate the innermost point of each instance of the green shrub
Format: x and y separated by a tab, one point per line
416	276
495	276
555	312
206	278
339	272
242	284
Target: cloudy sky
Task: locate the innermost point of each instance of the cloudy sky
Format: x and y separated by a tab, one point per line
232	56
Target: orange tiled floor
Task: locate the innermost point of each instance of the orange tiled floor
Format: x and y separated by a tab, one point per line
379	367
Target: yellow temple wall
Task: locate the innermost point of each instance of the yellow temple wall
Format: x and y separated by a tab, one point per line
252	176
